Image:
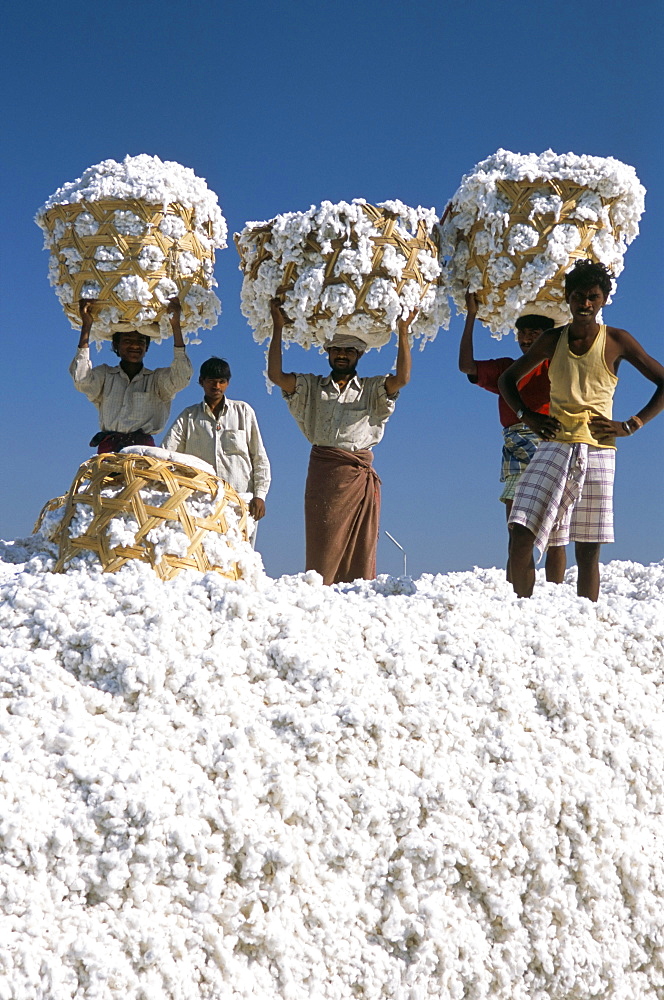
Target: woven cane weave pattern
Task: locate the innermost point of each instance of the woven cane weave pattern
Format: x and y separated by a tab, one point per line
413	270
125	253
111	485
518	195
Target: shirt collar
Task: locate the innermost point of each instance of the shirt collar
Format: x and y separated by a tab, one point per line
222	412
354	381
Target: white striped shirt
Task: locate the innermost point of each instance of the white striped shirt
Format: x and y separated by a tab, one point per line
138	404
352	420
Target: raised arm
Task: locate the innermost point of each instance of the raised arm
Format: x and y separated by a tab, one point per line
85	307
285	380
404	361
467	363
174	313
547	427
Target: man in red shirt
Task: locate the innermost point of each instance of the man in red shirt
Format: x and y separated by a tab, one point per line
519	441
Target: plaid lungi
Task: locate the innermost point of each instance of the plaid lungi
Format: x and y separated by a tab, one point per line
519	446
566	492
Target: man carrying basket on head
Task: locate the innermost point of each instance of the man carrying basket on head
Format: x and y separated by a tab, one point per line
133	401
343	416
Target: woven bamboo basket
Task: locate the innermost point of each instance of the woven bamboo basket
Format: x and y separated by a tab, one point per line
151	256
127	475
254	249
549	300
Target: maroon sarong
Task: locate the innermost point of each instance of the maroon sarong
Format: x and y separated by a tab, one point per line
341	513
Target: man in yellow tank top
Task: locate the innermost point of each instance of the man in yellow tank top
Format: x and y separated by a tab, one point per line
567	490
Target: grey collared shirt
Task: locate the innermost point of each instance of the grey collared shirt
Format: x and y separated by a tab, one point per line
352	420
231	443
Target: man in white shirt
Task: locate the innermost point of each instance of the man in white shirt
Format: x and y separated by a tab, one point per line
224	433
343	416
133	401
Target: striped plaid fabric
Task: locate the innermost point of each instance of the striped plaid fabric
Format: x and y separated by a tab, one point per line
566	492
519	446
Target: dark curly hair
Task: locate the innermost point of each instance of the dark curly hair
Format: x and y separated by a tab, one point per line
532	321
585	274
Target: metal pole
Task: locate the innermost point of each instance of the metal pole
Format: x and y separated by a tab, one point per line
393	539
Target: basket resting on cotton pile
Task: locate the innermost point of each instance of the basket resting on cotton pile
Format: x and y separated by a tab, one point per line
353	266
518	222
132	235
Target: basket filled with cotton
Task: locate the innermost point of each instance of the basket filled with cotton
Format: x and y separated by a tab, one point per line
518	222
146	505
350	266
132	235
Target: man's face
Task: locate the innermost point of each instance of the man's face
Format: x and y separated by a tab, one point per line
526	337
585	303
214	388
343	360
131	347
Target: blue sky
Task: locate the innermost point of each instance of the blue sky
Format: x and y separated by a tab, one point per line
282	105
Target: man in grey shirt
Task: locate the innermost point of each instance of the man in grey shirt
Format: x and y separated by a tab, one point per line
343	416
224	433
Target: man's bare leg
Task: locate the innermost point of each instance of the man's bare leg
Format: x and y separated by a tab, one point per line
522	563
508	570
587	561
555	564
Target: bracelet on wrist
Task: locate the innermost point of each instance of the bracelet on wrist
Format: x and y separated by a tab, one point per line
627	425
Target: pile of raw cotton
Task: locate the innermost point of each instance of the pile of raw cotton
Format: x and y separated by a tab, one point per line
353	266
275	789
517	222
141	231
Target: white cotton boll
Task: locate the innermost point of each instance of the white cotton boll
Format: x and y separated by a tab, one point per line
151	258
128	224
561	241
429	266
339	299
72	259
500	269
521	237
54	270
545	203
108	258
165	290
589	206
173	226
81	520
187	263
133	288
90	290
85	225
205	305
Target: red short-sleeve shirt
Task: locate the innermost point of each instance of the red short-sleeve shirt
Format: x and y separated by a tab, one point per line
535	388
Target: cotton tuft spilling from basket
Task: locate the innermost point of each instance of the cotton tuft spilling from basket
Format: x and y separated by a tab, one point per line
133	235
353	266
518	222
171	512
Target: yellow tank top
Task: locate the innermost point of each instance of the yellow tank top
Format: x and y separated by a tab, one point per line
581	387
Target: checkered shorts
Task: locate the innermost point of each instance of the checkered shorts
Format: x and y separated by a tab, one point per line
566	493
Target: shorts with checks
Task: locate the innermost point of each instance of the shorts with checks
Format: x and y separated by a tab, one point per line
566	493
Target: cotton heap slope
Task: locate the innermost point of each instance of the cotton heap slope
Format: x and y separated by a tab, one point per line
383	790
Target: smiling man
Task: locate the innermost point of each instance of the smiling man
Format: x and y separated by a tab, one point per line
343	416
567	490
224	433
133	401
